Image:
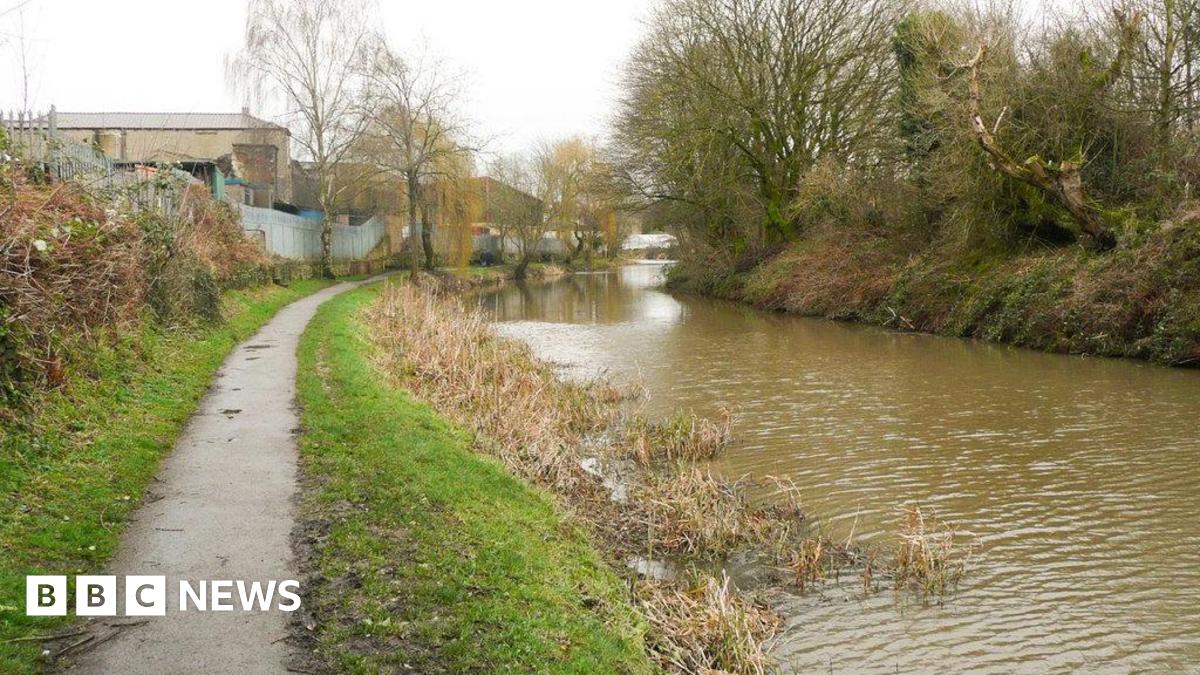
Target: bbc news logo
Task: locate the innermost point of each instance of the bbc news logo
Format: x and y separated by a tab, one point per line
96	595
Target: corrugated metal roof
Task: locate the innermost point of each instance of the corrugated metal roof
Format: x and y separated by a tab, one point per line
135	120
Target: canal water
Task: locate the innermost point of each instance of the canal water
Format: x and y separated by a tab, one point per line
1080	477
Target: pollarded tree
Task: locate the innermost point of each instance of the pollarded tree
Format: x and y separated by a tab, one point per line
1061	178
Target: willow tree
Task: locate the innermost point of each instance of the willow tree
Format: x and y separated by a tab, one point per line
313	58
453	201
419	129
601	203
563	164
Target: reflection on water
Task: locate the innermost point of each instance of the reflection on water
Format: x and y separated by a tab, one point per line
1078	475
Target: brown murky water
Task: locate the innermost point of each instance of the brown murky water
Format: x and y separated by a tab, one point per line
1081	477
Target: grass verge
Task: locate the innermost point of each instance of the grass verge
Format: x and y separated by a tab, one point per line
462	278
79	463
423	556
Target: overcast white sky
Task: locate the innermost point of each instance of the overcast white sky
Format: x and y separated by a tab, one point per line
538	68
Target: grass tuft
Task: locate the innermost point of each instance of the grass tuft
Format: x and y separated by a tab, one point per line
707	627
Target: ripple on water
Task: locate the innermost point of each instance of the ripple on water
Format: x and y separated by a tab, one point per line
1078	475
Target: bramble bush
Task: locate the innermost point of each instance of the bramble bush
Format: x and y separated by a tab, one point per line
79	269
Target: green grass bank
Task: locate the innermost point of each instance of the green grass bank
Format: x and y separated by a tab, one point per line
420	555
80	460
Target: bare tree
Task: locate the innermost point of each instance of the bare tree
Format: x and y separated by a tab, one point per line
1164	72
727	103
21	49
314	58
418	131
515	206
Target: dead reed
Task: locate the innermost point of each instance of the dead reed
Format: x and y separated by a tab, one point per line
707	627
683	437
693	512
528	418
539	427
930	556
546	429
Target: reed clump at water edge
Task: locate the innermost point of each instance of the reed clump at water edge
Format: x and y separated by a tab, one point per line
549	431
685	436
930	556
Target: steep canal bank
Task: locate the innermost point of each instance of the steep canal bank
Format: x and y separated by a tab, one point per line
1077	475
1140	301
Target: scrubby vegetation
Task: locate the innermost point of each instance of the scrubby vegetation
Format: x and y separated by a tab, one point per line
641	489
969	171
82	270
1139	301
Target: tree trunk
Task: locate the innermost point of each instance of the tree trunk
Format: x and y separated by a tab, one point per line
413	189
427	238
326	201
522	267
591	246
1166	75
577	250
1062	182
327	247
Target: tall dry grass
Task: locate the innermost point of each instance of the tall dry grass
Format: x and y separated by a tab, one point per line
448	355
930	556
707	627
685	436
544	429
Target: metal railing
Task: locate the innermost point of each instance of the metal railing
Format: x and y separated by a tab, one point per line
34	137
